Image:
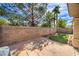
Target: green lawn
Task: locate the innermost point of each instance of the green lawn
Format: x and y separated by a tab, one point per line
63	38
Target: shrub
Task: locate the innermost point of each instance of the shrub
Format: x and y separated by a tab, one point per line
3	22
63	38
45	25
62	23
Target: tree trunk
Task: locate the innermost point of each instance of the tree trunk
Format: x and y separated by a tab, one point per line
49	23
54	20
32	22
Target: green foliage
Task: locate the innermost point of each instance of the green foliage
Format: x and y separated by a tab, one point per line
2	11
62	38
62	23
56	9
41	9
20	5
49	18
45	25
30	11
3	22
49	15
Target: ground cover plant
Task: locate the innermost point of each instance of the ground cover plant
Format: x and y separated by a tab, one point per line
63	38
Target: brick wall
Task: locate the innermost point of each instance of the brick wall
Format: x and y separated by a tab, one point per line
12	34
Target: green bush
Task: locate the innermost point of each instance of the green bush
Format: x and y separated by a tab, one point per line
45	25
63	38
62	23
3	22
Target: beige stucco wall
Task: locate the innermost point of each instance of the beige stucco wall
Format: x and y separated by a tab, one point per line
12	34
76	28
75	40
73	9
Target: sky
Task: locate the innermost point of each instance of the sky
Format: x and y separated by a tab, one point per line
63	11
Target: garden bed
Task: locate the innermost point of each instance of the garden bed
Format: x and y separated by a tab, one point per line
62	38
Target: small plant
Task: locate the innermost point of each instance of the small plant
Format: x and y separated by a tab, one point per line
63	38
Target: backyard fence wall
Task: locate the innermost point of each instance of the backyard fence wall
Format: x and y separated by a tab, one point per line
12	34
65	30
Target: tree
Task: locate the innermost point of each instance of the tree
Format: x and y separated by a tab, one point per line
49	18
2	11
56	12
11	15
30	11
14	19
35	11
62	23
